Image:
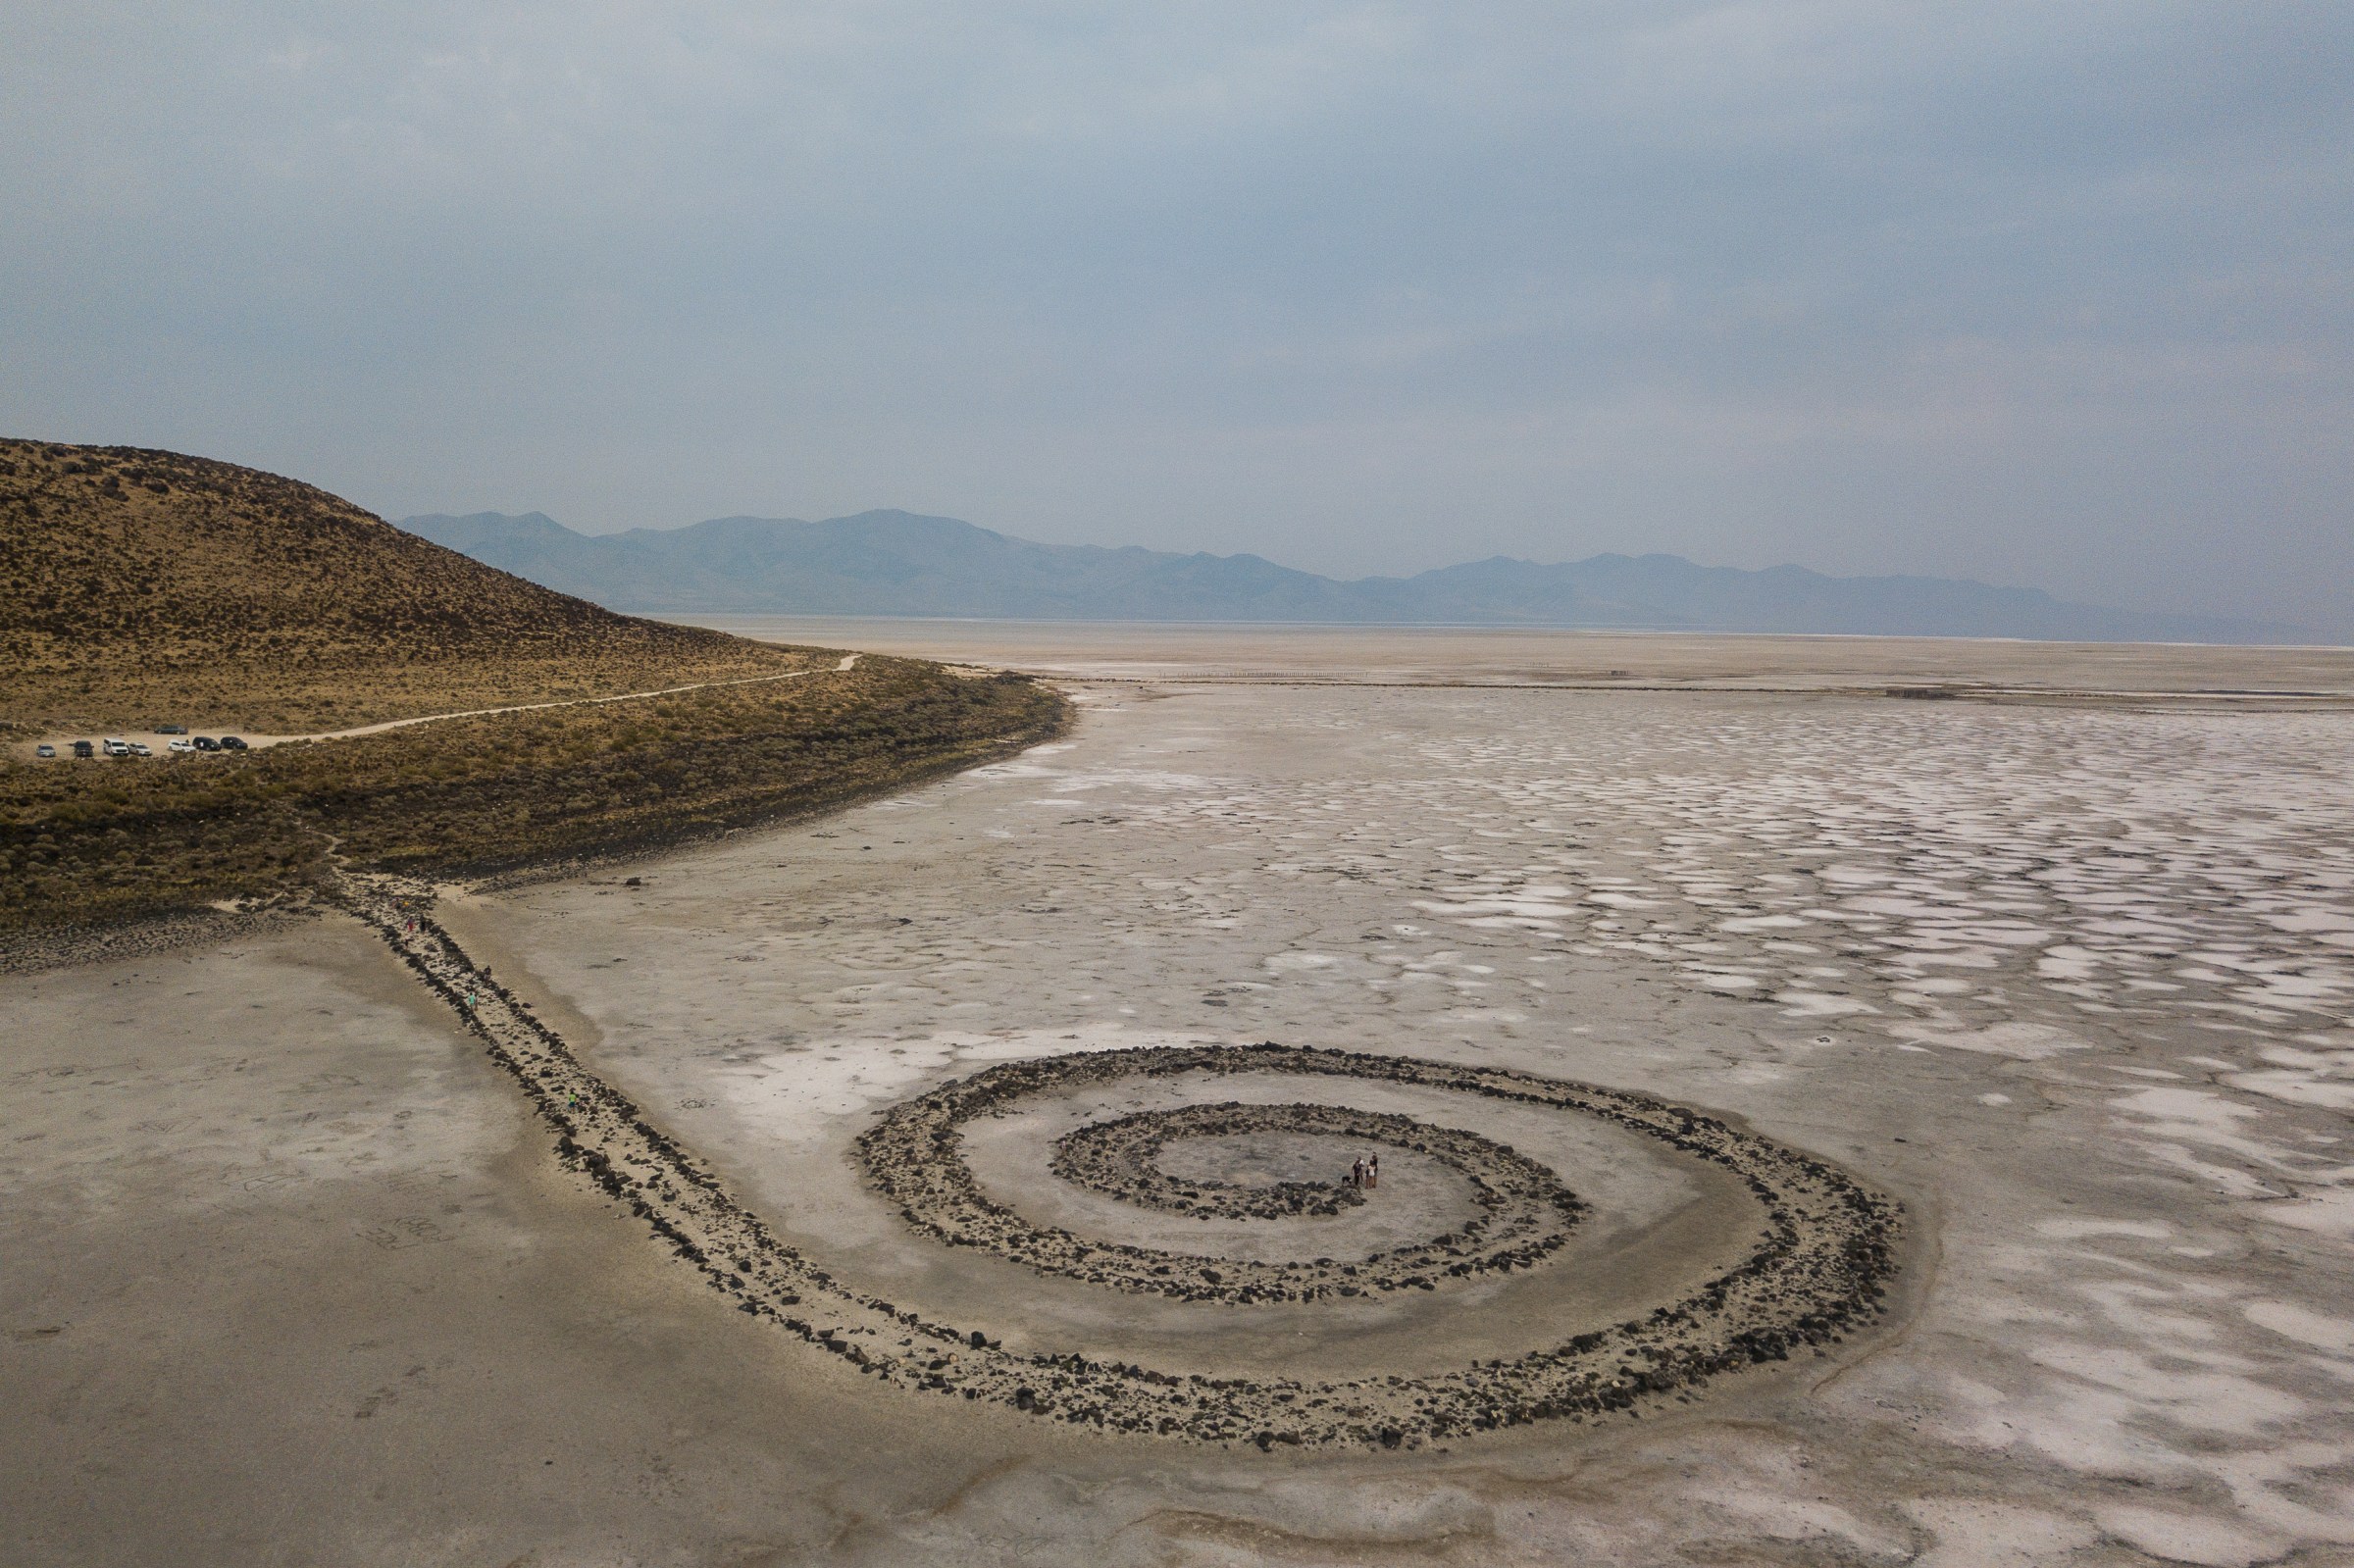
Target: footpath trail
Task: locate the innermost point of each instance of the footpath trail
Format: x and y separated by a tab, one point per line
257	742
568	702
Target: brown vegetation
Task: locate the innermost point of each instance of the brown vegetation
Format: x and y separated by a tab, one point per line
138	587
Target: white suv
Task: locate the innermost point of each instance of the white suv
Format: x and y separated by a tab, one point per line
117	748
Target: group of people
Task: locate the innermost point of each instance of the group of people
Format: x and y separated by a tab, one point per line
1366	1172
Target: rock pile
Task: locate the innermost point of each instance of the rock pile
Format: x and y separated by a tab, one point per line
1119	1159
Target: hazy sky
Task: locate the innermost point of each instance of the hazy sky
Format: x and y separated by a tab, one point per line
2047	293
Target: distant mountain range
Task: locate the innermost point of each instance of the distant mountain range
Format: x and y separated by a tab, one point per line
900	564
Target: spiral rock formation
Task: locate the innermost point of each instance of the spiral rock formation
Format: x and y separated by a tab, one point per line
1817	1265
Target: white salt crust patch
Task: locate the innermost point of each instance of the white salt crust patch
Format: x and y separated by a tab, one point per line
2329	1213
1970	1532
2024	1042
2180	1536
2290	1321
793	1094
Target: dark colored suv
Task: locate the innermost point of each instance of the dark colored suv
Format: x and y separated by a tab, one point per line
84	750
233	743
207	744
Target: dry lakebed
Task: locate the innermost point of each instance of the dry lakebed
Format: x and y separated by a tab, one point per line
1814	1127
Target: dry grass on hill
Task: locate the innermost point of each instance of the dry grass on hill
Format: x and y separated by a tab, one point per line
140	588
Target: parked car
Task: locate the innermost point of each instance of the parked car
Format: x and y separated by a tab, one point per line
138	749
84	749
233	743
170	729
182	745
116	748
44	749
207	744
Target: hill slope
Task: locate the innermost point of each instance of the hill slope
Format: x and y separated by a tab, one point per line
132	579
144	585
895	563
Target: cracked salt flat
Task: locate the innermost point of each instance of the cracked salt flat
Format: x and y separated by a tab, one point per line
2087	965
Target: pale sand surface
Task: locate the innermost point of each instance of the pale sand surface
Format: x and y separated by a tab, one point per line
2074	982
1622	659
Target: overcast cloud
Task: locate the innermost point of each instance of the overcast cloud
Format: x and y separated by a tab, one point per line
2054	294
